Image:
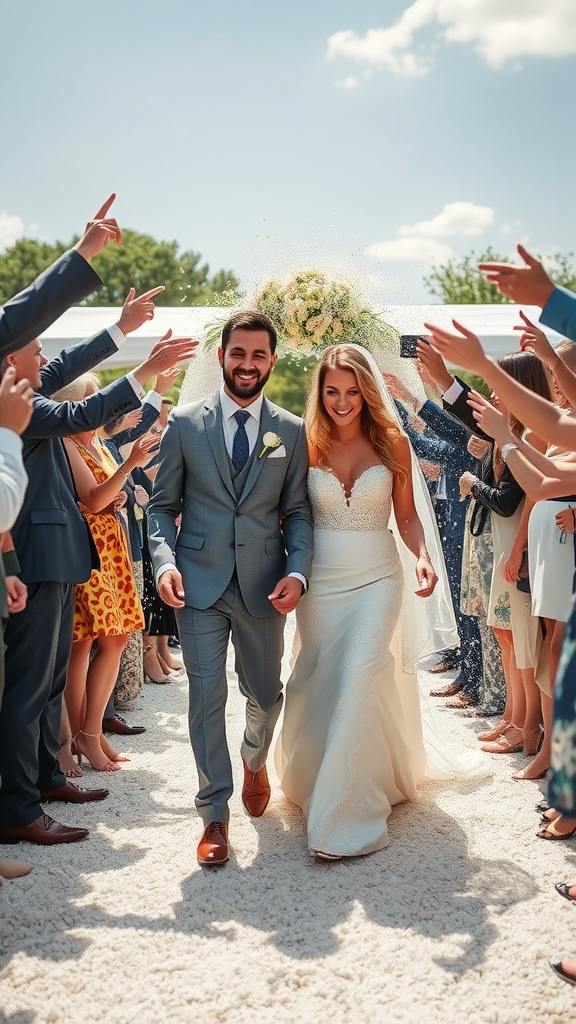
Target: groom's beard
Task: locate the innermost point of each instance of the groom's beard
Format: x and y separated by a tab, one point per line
242	389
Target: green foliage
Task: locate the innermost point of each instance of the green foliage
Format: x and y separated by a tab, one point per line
288	384
140	261
459	281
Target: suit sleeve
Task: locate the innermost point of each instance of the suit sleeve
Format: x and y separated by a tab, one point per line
462	411
149	416
294	508
165	505
444	425
432	448
61	419
559	313
73	362
69	280
13	478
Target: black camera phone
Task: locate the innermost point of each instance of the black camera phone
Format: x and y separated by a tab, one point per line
408	345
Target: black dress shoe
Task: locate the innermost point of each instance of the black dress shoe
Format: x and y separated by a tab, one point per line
118	725
70	793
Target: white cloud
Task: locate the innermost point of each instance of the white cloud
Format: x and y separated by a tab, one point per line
347	83
425	250
11	228
499	30
455	219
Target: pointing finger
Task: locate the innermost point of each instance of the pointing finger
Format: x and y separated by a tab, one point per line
105	207
153	291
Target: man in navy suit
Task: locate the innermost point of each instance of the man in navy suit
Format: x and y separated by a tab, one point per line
55	551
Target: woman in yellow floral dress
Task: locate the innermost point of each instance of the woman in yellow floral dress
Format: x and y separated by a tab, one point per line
107	607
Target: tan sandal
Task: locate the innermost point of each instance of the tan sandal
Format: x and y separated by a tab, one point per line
504	745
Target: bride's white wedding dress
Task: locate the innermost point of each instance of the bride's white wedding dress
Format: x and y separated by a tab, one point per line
354	740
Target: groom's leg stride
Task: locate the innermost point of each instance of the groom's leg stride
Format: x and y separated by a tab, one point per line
258	646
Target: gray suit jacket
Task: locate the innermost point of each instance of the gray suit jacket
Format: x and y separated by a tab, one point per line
264	534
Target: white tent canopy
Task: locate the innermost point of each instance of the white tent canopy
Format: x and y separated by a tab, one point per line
492	323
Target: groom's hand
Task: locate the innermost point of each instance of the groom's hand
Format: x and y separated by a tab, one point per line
286	594
171	589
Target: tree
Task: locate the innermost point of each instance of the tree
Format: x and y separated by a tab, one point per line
459	281
140	261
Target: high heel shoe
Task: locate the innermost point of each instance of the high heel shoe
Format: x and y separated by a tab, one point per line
152	666
103	766
66	762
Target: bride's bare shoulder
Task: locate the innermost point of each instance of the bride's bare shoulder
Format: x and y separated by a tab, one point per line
313	456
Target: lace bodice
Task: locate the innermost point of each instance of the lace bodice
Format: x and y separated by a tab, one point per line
367	508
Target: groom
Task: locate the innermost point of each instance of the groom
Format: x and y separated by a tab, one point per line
235	467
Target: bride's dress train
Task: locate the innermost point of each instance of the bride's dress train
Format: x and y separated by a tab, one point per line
354	740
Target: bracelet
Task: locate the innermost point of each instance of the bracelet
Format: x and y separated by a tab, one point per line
506	449
123	471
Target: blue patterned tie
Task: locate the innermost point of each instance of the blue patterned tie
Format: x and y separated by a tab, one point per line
240	447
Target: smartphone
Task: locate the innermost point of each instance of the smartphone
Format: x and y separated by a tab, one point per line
408	345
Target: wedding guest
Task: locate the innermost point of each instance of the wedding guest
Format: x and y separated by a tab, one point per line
447	445
532	285
508	612
54	549
15	415
107	607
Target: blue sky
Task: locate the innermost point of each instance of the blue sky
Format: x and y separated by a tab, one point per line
263	133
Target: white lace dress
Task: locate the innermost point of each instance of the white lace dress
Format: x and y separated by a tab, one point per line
351	743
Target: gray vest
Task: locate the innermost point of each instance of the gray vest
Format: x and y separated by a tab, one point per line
239	478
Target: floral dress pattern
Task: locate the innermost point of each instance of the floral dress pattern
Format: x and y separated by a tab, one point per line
562	779
108	603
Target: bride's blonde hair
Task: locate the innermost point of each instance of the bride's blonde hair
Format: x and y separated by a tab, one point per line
377	422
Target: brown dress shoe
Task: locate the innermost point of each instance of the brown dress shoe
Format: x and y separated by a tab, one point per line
255	791
118	725
213	847
44	831
447	691
70	793
463	700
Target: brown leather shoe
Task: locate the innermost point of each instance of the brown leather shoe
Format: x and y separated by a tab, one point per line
44	831
118	725
255	791
447	691
213	847
463	700
70	793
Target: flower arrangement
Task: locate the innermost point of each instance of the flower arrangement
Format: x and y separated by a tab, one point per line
310	311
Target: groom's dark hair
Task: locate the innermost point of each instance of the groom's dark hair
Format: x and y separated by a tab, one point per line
249	320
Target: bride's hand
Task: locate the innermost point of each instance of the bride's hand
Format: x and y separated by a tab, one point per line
427	578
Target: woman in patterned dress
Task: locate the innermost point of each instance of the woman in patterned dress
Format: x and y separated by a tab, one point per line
107	607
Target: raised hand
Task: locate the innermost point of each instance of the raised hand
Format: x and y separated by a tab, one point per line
99	231
493	421
164	355
477	447
137	310
434	366
529	285
140	453
15	402
534	340
164	381
171	588
462	349
397	388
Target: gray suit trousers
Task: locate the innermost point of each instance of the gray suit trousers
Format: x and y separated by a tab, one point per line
258	647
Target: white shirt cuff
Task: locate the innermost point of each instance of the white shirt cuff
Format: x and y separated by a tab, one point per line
303	580
451	393
116	334
164	568
135	385
153	398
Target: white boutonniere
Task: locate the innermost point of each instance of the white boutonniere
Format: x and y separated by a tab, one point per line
270	442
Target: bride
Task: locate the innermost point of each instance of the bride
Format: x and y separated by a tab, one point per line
352	742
